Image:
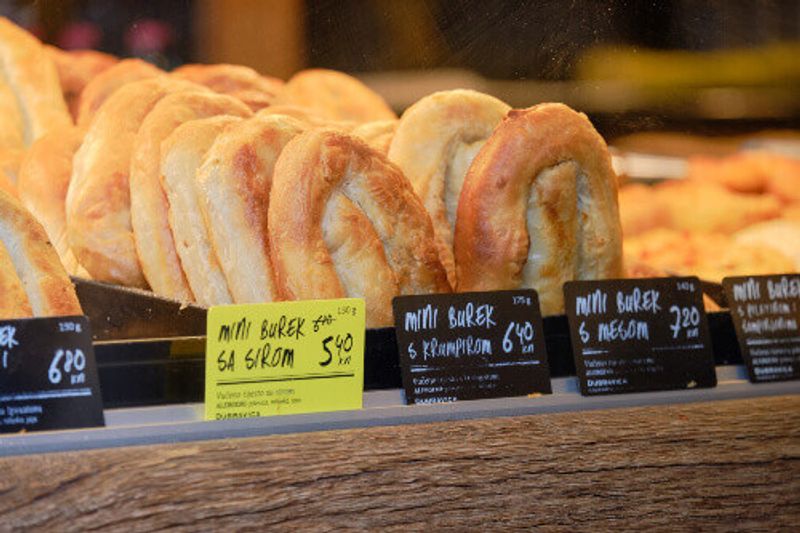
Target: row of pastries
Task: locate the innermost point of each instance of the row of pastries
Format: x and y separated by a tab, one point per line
213	184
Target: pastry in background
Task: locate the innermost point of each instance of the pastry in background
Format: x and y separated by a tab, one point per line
98	199
710	256
242	82
343	221
705	206
377	134
182	154
782	235
753	172
539	207
32	280
43	182
76	68
334	95
434	145
308	116
31	102
102	86
148	203
233	189
641	210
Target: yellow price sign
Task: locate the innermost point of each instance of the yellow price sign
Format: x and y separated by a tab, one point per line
284	357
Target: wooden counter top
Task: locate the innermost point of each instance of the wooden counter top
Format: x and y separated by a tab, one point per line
721	465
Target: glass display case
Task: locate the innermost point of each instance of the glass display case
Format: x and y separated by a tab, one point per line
180	155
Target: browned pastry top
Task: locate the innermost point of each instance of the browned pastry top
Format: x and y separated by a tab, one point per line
343	221
334	95
102	86
31	102
539	207
243	82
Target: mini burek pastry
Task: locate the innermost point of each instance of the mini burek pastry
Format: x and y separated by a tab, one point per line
154	243
31	102
434	145
76	68
335	96
377	134
233	186
244	83
43	181
98	198
539	207
343	221
102	86
32	280
182	153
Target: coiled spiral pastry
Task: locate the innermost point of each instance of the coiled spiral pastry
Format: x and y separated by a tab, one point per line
154	243
182	154
233	186
539	207
435	143
98	198
344	221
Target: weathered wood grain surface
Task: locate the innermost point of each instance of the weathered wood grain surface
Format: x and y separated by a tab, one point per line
731	465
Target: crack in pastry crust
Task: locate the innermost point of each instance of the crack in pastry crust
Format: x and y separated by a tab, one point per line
541	191
435	142
154	243
334	199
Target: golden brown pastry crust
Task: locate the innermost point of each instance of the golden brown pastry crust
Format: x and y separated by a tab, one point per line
335	96
98	198
48	289
43	181
233	186
377	134
244	83
149	208
182	154
30	74
344	221
76	68
539	207
435	143
102	86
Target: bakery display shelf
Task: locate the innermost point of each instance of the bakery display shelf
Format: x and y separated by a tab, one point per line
184	423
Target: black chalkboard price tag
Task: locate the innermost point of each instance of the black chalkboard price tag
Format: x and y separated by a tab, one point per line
639	335
48	375
470	346
766	314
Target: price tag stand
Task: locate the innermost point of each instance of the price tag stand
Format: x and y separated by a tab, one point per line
639	335
48	376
